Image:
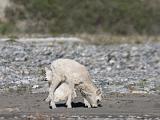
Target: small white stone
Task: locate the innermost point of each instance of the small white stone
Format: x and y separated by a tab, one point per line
35	86
139	92
112	61
109	68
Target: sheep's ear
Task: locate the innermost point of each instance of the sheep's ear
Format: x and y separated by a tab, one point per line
99	91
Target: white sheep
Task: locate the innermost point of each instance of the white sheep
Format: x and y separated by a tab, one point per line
76	76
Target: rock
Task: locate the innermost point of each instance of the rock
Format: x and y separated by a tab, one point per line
139	92
35	86
108	68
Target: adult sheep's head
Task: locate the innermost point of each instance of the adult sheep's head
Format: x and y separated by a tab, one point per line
93	98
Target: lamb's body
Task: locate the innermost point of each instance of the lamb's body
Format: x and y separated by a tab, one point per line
74	74
62	93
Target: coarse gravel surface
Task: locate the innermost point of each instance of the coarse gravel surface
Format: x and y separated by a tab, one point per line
129	75
116	68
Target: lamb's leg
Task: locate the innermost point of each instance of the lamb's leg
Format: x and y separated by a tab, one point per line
87	104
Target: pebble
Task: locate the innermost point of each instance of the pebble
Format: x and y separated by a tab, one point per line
35	86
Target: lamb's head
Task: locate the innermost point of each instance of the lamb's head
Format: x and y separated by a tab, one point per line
94	98
49	76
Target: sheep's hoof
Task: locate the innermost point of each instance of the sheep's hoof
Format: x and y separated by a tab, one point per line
69	106
88	105
94	106
52	105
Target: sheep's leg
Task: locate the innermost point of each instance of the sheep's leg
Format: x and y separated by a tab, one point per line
50	97
87	104
69	100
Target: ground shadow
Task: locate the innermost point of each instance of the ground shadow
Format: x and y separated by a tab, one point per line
74	105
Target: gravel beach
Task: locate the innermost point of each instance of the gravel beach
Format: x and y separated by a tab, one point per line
118	69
